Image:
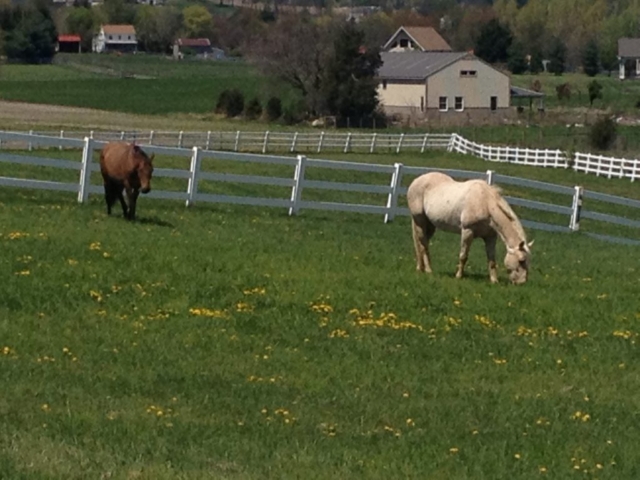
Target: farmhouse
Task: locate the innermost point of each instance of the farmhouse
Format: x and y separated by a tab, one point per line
628	57
422	39
115	38
447	87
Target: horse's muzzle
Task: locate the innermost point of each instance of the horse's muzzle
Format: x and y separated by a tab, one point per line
145	190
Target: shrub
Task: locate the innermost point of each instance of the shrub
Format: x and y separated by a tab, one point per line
221	105
595	91
253	109
235	103
603	133
274	109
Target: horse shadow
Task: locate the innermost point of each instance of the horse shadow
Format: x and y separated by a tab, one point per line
154	221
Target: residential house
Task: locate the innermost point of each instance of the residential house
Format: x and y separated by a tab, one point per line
69	44
628	57
422	39
447	87
115	38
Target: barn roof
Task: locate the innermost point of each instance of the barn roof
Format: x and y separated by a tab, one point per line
194	42
68	38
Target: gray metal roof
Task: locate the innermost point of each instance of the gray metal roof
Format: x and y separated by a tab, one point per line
629	47
415	65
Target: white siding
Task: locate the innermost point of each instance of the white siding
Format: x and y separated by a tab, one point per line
402	94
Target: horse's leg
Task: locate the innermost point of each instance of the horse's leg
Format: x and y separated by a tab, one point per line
466	237
108	196
132	196
423	230
123	204
490	247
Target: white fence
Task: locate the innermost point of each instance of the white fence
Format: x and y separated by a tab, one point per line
318	142
299	183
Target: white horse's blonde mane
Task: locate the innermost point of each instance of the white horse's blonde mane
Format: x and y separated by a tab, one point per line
508	211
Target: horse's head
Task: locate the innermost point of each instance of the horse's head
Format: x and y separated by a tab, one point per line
517	262
145	168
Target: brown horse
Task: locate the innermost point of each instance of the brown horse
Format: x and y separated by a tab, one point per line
125	166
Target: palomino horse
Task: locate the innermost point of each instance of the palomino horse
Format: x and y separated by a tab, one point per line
125	166
473	209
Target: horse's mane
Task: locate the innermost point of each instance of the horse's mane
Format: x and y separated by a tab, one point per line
507	210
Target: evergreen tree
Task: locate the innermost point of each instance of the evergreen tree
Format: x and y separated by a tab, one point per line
557	57
535	62
350	88
591	58
33	39
493	42
595	91
517	62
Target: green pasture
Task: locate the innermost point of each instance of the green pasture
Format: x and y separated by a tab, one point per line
238	342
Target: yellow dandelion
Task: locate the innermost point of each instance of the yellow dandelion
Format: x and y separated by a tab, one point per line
543	469
454	450
45	407
95	246
517	456
410	422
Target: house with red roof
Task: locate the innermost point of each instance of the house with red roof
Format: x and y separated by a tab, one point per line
115	38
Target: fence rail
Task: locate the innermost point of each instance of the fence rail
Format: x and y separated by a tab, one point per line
318	142
299	183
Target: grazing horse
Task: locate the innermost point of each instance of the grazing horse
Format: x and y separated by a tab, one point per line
125	166
472	209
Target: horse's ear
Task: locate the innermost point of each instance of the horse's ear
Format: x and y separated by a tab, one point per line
530	244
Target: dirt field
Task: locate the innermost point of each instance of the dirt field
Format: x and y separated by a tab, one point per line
26	116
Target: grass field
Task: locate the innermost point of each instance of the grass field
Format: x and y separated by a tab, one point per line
229	342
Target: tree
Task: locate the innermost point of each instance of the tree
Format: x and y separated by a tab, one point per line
493	42
197	21
274	109
595	91
82	21
119	11
33	39
517	62
535	62
157	28
279	54
350	88
557	57
591	58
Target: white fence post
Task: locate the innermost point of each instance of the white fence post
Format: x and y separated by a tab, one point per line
31	143
208	140
576	207
298	180
424	142
320	142
151	135
61	136
373	143
400	143
180	136
452	139
293	142
237	144
392	198
121	135
347	143
490	177
265	143
85	170
192	187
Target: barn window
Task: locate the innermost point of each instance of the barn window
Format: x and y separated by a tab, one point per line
443	104
384	84
468	73
494	103
459	104
110	37
422	104
404	43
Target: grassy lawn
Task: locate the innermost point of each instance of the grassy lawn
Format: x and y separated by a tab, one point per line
236	342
